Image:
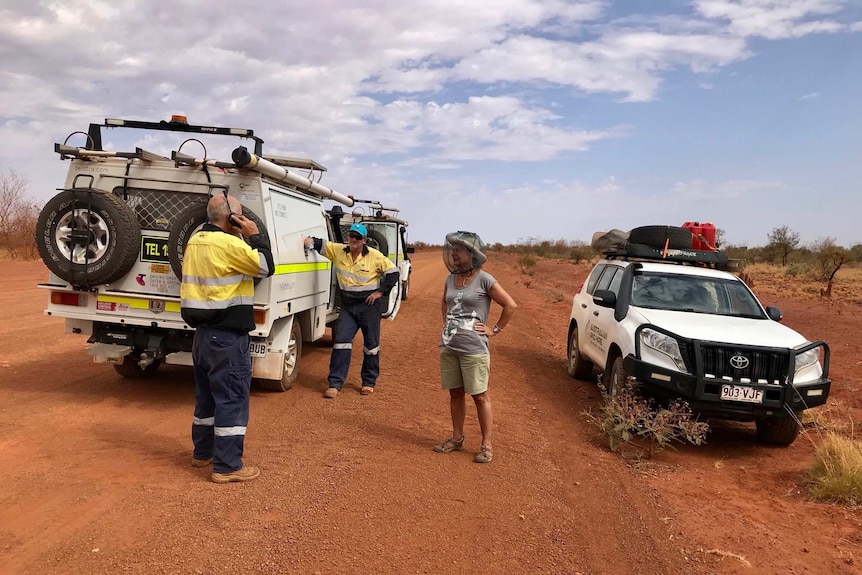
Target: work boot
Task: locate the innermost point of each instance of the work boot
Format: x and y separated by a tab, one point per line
244	473
201	462
331	393
366	390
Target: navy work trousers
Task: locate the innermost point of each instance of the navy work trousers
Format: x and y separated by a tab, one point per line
356	316
222	380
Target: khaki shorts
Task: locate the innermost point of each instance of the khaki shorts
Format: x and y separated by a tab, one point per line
468	371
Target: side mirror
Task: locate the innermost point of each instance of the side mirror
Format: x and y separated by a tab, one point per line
774	313
605	298
410	250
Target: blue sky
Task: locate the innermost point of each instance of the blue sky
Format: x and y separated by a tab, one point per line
516	119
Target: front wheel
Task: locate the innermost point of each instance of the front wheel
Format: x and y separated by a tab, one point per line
617	379
578	367
778	430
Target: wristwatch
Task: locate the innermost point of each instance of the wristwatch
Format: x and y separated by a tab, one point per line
496	329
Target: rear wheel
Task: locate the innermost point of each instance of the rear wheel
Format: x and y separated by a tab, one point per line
578	366
405	288
130	368
292	356
778	430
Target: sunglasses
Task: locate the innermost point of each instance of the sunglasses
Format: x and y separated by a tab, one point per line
355	236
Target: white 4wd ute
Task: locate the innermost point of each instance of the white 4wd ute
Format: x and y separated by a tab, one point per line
682	326
387	233
113	240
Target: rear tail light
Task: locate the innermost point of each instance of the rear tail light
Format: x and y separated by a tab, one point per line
66	298
580	287
260	316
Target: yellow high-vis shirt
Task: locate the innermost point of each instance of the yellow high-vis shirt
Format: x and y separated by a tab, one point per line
218	279
363	275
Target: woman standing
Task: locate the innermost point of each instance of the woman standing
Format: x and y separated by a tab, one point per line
465	360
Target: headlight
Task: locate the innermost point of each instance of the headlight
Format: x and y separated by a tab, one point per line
664	344
807	358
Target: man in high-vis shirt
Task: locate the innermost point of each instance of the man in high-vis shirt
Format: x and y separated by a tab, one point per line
364	277
217	293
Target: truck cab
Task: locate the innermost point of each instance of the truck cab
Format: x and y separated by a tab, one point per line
387	233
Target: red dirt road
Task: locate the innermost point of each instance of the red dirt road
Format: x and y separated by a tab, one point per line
96	474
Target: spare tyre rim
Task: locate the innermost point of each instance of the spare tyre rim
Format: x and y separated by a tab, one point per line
76	223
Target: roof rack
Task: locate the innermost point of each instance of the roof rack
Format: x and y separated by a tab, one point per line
704	258
379	211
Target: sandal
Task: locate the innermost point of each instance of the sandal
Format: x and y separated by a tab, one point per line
485	455
450	445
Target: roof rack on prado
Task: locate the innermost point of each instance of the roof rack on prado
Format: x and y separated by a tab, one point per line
669	244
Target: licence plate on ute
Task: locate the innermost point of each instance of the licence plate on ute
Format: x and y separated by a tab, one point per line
741	393
257	349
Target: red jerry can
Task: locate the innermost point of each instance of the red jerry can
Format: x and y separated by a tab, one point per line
703	235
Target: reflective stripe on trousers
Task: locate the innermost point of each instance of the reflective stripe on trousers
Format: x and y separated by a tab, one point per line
356	316
222	378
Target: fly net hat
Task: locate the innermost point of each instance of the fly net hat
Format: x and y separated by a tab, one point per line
472	243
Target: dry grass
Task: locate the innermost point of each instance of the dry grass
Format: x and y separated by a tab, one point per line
797	281
837	473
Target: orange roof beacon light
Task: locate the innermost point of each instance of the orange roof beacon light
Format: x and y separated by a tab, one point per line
179	119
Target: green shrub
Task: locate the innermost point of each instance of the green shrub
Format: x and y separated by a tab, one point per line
628	417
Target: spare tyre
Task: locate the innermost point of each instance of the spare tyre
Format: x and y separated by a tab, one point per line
88	237
189	222
674	237
378	241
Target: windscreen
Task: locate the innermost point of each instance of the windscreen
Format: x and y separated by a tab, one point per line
694	294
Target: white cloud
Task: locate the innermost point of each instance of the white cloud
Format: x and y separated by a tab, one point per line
410	95
772	19
810	96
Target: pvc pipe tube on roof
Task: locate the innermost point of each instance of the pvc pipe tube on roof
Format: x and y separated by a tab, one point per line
245	159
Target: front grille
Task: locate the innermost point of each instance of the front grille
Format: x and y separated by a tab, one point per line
769	365
158	209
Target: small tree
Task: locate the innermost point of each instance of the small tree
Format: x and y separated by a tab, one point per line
782	241
720	236
828	258
18	216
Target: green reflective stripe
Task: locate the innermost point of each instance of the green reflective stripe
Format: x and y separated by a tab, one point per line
282	269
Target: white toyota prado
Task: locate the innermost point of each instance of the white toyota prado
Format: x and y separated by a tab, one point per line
677	321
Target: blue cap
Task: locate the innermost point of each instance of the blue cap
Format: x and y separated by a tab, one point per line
359	229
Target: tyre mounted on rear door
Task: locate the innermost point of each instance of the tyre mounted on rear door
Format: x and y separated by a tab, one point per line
88	237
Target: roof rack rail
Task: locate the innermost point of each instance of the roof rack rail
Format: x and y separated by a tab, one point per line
704	258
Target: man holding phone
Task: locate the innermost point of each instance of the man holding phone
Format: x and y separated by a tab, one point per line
217	293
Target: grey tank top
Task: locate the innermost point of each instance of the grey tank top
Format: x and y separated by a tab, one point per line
467	306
